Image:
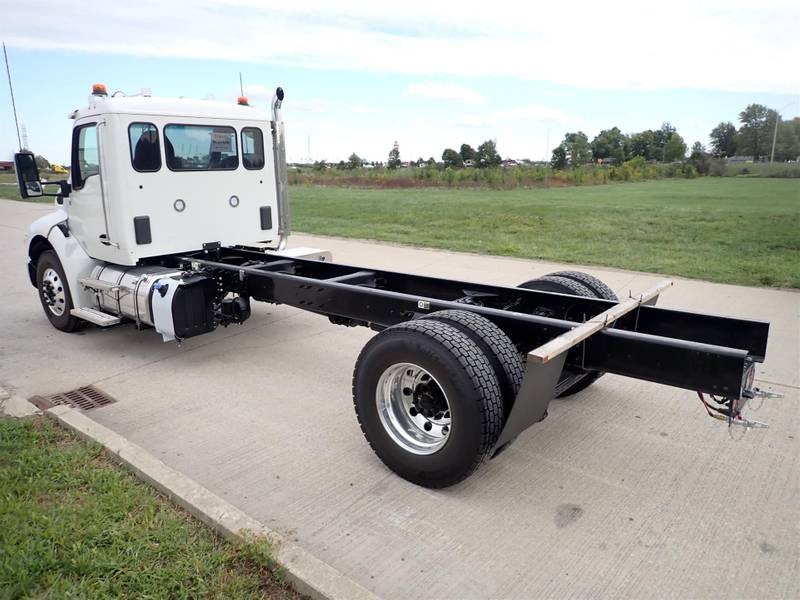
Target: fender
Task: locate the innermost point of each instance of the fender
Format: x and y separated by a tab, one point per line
52	232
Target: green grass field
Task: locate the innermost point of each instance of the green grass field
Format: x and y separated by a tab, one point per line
10	191
743	230
75	525
732	230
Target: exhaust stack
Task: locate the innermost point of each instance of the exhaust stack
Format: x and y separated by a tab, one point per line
281	174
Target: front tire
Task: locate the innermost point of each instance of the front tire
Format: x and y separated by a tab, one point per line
428	402
54	292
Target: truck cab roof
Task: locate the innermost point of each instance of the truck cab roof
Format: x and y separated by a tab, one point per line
178	107
155	176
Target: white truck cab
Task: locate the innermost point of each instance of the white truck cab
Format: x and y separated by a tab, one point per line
153	177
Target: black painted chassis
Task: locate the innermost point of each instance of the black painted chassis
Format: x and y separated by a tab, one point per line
699	352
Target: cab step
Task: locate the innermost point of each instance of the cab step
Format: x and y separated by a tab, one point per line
95	316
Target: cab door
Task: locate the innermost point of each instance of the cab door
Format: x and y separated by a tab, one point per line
88	220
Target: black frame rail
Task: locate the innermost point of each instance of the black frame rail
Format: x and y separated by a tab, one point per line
707	353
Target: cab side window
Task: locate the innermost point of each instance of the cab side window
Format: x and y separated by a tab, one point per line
145	150
252	148
85	154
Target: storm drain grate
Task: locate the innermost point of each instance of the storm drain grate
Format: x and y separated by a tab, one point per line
83	398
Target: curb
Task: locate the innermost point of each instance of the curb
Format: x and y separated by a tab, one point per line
307	574
14	405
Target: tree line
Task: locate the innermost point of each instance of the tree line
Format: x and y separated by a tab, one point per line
485	156
753	138
756	134
613	146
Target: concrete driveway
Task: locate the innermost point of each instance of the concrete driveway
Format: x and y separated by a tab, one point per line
626	490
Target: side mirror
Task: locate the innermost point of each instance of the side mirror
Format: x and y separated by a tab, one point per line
30	185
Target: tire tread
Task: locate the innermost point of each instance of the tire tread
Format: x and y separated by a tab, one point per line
480	373
600	289
496	345
66	322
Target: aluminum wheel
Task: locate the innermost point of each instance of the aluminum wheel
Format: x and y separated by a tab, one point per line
413	408
53	292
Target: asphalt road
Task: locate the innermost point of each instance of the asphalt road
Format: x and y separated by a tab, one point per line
626	490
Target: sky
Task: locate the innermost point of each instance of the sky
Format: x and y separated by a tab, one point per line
361	75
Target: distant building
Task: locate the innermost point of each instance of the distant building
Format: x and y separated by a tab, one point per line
745	159
6	165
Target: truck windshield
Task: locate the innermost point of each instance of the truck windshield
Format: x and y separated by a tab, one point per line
200	148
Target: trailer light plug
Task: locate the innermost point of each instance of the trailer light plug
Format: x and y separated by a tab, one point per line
730	414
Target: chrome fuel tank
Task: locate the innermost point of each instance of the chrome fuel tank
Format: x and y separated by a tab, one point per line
128	291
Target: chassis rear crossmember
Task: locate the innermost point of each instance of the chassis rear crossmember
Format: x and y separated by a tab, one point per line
699	352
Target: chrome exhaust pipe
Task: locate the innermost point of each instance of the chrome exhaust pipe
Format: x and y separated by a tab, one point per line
281	173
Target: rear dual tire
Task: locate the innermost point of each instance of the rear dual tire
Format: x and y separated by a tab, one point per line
575	283
416	379
432	395
506	361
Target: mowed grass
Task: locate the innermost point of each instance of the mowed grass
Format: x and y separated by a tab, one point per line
75	525
9	189
740	231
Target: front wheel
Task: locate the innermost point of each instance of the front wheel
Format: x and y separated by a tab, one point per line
54	292
428	402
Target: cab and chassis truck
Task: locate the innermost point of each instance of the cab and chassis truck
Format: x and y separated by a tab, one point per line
176	217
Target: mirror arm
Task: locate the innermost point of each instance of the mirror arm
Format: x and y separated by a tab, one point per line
64	192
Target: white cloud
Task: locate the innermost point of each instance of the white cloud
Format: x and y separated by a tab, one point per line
520	115
258	94
719	44
262	95
444	90
729	45
558	93
537	112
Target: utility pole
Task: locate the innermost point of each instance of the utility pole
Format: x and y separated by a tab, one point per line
775	132
11	90
547	149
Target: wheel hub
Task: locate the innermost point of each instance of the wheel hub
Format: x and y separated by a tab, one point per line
430	401
413	408
52	291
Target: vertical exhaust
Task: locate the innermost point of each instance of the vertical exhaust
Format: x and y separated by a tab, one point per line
281	173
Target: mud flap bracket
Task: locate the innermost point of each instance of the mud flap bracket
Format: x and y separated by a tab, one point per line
537	389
